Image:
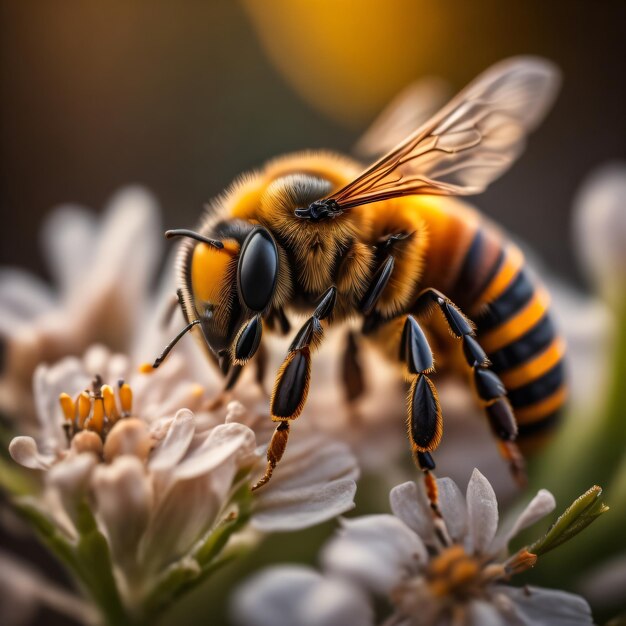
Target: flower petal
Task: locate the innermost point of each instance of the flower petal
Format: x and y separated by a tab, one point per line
453	508
183	515
124	497
69	480
129	238
542	504
304	507
600	227
375	552
223	442
482	613
548	607
24	451
482	509
68	238
290	595
69	376
410	503
314	483
314	459
23	295
173	447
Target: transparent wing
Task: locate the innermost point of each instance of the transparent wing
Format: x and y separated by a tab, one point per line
413	106
469	143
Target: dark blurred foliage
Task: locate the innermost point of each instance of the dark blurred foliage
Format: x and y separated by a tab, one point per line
181	97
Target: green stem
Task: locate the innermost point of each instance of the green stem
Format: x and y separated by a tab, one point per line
88	560
591	451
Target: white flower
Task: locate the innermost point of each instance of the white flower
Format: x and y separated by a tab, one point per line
102	270
600	229
162	482
450	571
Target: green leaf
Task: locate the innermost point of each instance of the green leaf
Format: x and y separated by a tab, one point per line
15	479
48	532
584	510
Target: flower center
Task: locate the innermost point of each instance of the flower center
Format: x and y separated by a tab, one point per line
97	409
454	572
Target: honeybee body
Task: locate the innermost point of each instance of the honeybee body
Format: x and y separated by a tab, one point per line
449	246
314	234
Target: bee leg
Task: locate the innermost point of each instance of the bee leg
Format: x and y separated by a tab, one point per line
247	340
291	387
379	282
491	393
489	388
261	366
424	418
246	344
351	370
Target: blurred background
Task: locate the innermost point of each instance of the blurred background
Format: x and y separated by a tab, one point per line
182	97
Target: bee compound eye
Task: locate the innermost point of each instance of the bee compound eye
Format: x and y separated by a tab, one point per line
257	270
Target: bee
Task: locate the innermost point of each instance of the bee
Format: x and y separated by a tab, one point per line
316	234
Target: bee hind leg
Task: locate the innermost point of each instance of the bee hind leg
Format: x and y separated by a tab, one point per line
291	386
489	388
424	417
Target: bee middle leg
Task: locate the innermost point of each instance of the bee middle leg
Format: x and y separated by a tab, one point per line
489	388
291	386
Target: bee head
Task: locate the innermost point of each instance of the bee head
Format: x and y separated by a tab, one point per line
232	283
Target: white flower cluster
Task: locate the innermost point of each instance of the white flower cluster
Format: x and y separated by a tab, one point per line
145	483
447	574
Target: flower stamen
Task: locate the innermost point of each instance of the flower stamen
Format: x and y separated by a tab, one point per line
96	421
110	408
454	572
84	408
126	398
96	411
68	406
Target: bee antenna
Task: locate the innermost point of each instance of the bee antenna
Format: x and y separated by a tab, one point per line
183	232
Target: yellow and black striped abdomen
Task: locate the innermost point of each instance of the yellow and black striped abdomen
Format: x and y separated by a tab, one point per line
514	326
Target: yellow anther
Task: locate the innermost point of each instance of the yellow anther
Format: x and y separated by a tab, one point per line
197	391
68	407
110	408
146	368
126	398
84	408
463	572
96	422
442	563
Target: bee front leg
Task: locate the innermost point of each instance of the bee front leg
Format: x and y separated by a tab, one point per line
487	384
291	387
